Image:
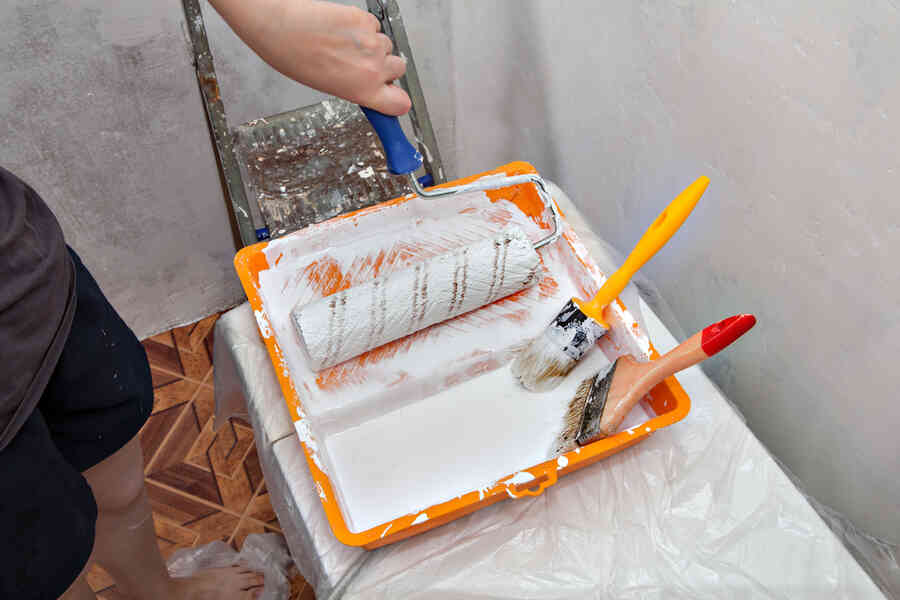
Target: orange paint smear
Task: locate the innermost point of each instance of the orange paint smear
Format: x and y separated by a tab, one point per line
473	370
352	371
325	276
523	195
401	377
518	316
500	216
548	286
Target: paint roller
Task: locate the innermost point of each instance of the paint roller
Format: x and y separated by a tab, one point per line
348	323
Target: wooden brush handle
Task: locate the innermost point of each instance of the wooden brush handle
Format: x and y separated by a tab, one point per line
640	378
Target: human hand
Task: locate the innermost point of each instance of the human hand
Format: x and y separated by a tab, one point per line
330	47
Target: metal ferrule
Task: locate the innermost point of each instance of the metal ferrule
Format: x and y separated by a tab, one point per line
594	406
574	332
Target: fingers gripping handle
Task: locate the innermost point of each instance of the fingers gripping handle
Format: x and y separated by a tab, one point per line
402	157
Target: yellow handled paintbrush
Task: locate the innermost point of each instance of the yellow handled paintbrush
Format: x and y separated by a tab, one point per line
552	355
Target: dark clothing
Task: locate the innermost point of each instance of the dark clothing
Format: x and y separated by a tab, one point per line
37	300
97	398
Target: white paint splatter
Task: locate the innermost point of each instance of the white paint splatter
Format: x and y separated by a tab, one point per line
306	436
520	478
420	519
263	322
320	491
384	533
562	462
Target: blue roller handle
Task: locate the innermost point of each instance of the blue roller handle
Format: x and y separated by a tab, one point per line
402	157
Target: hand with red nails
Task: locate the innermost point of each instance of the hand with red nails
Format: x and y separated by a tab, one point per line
330	47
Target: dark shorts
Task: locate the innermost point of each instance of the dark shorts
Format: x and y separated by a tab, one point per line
97	399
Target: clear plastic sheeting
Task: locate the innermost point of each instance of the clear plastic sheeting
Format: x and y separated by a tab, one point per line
263	553
701	512
698	510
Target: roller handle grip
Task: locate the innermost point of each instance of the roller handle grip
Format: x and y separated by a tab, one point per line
402	157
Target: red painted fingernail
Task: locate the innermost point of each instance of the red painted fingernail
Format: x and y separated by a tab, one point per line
717	337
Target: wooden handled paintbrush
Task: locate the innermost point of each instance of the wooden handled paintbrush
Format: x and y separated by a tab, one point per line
603	401
542	364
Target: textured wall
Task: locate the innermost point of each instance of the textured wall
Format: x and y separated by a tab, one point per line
792	110
100	112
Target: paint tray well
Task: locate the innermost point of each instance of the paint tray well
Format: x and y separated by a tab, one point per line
432	426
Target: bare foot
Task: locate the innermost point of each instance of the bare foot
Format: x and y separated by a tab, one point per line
228	583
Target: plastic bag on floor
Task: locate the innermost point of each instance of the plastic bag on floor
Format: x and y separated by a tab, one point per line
265	553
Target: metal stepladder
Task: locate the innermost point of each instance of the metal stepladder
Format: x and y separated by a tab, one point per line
283	172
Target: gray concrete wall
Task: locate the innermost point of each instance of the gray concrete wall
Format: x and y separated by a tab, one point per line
792	110
100	112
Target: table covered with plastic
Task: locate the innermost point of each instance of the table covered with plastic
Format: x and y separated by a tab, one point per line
698	510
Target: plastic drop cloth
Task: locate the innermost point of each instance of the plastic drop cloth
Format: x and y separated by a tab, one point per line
698	510
263	553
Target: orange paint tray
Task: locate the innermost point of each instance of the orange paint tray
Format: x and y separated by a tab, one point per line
352	248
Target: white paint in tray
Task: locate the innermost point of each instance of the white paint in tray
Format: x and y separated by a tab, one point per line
463	438
442	416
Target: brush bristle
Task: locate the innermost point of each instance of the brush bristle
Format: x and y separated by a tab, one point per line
565	441
541	365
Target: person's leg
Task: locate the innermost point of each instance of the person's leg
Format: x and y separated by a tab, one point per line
97	400
47	519
125	543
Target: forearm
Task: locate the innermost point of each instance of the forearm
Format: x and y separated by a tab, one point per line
330	47
254	21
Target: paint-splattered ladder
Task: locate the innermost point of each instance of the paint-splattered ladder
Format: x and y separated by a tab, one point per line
286	171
